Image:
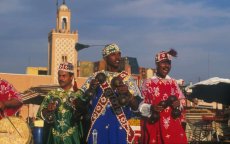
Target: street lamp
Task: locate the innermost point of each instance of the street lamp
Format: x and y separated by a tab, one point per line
80	46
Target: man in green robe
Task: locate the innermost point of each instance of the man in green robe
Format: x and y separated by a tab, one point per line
58	110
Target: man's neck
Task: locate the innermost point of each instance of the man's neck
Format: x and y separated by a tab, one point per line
160	76
112	69
67	88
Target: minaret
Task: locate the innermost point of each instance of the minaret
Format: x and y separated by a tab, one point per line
61	47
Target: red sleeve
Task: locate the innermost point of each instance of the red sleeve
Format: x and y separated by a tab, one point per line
144	91
182	99
9	91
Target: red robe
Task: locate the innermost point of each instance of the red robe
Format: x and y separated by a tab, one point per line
167	130
7	92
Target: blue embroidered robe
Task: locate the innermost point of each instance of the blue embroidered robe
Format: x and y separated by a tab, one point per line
107	129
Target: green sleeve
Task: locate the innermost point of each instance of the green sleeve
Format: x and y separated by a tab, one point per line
43	105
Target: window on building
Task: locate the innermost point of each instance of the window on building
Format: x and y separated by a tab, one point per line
64	58
64	23
42	72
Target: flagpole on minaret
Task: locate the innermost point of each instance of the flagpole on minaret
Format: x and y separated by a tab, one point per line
57	3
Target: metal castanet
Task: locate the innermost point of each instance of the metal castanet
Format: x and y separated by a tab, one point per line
57	102
123	98
90	92
164	104
155	116
49	115
108	92
175	111
116	82
81	108
70	102
101	78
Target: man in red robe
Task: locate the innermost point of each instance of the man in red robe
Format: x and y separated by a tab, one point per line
163	116
10	99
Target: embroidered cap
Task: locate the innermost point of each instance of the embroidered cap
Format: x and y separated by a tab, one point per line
110	48
66	66
163	55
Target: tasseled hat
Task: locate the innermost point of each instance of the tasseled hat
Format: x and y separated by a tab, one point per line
110	48
163	55
66	66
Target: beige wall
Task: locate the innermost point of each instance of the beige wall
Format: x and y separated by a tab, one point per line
23	82
86	68
80	81
35	70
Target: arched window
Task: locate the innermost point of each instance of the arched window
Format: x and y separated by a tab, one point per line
64	23
64	58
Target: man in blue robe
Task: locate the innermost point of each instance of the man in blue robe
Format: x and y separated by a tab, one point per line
114	98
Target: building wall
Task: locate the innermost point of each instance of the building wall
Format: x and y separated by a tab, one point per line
35	70
86	68
99	65
23	82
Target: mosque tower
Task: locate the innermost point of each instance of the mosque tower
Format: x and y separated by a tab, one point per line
61	42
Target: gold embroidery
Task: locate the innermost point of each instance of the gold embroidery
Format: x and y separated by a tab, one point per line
69	132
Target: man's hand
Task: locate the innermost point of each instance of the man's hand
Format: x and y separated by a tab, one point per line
93	84
51	106
176	104
158	108
124	95
122	89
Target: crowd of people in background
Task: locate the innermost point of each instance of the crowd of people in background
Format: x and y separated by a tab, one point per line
99	111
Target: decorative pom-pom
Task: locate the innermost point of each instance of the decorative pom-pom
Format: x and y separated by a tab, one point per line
172	52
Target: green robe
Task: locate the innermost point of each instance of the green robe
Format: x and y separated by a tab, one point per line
64	129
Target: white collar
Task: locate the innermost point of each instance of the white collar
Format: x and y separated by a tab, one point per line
167	77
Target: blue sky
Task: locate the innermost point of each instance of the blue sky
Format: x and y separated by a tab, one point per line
198	29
